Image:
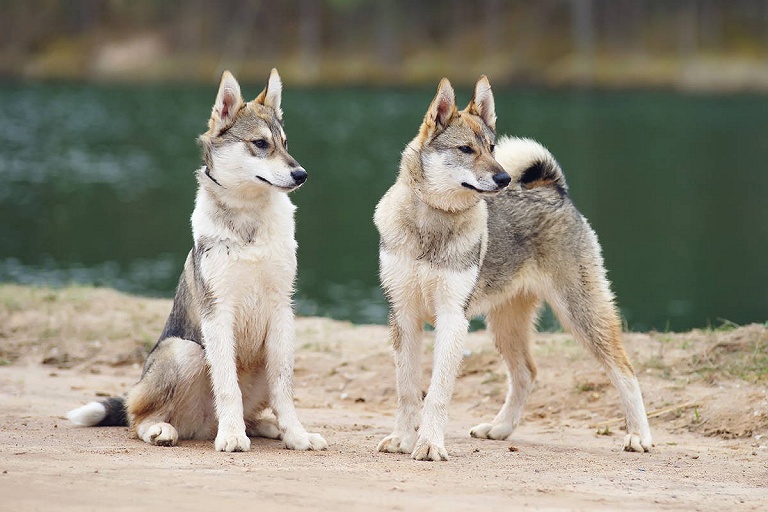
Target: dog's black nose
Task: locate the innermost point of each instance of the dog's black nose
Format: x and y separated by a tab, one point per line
502	179
299	175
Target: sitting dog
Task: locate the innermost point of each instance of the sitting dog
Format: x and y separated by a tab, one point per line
226	353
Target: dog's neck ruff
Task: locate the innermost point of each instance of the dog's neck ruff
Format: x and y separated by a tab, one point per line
233	198
459	202
412	171
241	220
445	206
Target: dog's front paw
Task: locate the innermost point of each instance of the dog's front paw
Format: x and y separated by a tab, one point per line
162	434
429	450
304	441
232	442
394	443
491	431
637	443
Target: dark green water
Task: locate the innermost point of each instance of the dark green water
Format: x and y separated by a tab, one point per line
97	188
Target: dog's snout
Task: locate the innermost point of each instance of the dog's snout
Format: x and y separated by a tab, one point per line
299	175
502	179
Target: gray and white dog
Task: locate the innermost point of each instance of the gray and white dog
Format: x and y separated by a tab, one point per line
472	226
226	353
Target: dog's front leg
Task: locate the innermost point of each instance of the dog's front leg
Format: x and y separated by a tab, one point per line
450	293
279	346
405	333
228	399
450	332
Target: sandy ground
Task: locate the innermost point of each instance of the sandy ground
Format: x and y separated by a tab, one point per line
707	393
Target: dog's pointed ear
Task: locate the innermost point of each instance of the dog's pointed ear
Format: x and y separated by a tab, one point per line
229	101
443	107
482	103
272	94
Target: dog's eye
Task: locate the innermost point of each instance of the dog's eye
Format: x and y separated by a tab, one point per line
285	143
260	143
493	146
466	149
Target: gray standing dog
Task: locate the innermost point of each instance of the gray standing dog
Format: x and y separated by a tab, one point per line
473	227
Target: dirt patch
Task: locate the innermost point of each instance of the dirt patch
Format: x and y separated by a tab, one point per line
706	392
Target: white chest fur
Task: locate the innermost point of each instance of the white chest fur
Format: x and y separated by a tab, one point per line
247	256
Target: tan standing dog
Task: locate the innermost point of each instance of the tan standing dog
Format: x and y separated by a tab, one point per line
473	227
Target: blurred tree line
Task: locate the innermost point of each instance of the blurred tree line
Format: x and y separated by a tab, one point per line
684	43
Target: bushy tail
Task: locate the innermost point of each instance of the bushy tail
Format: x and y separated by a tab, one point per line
529	163
107	413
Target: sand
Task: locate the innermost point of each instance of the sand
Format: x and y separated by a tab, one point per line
706	392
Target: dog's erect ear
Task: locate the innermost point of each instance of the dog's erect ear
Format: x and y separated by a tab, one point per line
229	100
272	94
482	103
443	107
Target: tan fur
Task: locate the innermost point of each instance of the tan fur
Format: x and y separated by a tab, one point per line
537	183
226	353
454	245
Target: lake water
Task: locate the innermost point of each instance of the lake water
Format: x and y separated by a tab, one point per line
97	187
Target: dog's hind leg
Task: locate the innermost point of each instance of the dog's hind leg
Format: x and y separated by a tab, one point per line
258	422
173	399
150	413
158	433
512	324
584	305
263	427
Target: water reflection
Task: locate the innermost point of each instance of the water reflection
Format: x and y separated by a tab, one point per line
98	188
